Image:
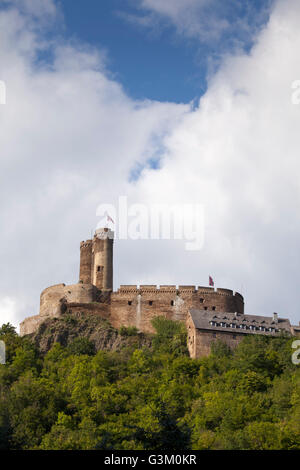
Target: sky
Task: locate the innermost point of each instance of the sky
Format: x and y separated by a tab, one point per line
161	101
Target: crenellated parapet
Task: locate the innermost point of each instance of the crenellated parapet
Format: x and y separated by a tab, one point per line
96	260
134	305
200	293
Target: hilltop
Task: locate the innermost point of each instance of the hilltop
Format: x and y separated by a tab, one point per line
102	335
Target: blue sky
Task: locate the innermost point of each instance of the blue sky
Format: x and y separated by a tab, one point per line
88	128
156	61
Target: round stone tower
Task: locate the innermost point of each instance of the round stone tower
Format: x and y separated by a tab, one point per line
102	257
96	260
85	275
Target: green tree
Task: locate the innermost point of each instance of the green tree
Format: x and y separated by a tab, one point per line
170	336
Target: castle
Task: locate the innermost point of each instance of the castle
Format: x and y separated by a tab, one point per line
209	313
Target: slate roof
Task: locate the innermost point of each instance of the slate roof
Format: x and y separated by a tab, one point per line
246	324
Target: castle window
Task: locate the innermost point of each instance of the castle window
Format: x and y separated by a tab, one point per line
99	269
129	302
150	302
172	303
214	308
205	308
201	301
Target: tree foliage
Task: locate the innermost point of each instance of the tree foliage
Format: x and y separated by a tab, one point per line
152	398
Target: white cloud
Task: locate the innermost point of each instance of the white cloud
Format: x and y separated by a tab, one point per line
69	137
8	311
238	155
188	16
37	8
227	24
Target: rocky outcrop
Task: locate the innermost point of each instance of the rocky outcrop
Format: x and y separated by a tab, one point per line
99	331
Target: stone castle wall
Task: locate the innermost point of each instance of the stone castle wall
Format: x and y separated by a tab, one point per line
54	301
53	298
31	324
133	306
95	308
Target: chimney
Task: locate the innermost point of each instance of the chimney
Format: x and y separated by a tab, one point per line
275	317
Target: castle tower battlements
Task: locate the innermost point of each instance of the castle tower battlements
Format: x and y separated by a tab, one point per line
219	312
96	260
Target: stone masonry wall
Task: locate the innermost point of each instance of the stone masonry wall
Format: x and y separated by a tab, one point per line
85	273
133	306
200	341
103	310
53	297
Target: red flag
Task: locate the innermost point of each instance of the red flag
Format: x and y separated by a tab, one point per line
211	281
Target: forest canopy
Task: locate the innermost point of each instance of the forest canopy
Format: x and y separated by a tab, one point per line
153	398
